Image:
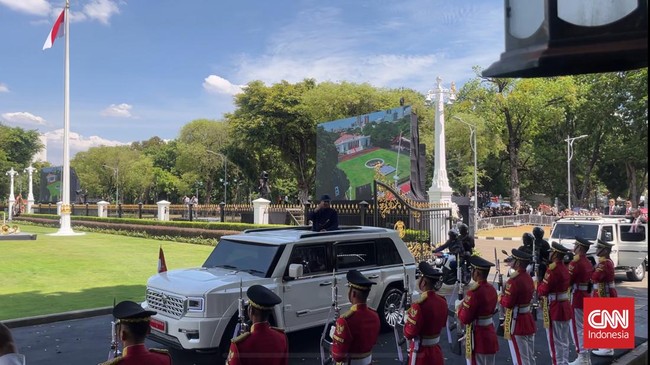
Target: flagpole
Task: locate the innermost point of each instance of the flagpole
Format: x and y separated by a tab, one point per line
66	228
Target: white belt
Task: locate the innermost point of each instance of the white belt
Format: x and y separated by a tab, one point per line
430	341
363	361
523	309
558	296
484	322
582	287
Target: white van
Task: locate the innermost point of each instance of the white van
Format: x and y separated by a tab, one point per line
630	251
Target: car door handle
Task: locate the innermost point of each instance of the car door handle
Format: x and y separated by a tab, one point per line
327	283
373	276
302	312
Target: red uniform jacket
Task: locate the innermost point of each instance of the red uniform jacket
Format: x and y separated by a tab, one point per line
478	305
424	320
139	355
262	345
580	269
356	333
517	296
555	287
603	279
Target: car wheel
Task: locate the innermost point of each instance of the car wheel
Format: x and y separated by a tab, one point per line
388	308
637	274
224	344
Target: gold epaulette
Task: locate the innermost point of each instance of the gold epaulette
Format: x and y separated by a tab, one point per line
278	329
576	258
552	266
473	287
514	274
159	351
348	314
422	298
112	361
241	337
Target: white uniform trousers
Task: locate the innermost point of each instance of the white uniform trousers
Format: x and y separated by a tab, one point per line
522	350
577	331
557	336
481	359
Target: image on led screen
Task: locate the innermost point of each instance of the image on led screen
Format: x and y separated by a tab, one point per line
351	149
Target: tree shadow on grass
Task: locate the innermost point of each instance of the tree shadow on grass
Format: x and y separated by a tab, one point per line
33	303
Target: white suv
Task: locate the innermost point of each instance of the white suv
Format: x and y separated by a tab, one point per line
630	251
197	307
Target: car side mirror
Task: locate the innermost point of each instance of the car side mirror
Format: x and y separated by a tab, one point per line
295	271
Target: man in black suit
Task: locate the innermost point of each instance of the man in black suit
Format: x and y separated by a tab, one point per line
612	209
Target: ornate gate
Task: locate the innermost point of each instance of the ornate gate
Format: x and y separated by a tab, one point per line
422	225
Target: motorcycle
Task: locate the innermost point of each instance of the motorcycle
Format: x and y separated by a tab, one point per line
447	262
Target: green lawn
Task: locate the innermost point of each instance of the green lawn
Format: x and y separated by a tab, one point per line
59	274
359	174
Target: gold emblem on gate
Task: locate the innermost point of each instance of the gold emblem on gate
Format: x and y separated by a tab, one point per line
399	227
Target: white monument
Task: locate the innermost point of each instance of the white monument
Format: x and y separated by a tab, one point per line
440	191
30	196
12	199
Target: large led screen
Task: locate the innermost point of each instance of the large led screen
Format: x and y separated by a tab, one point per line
353	150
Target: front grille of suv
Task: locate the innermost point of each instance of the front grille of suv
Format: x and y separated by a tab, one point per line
172	305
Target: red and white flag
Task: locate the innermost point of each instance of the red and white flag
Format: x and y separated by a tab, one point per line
162	266
56	32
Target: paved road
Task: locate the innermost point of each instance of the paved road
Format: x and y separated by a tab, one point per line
86	341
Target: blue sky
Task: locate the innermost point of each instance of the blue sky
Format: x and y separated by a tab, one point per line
140	68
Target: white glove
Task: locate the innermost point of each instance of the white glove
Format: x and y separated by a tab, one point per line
457	304
332	330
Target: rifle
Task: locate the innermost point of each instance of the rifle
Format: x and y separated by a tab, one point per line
535	302
460	328
499	279
241	326
115	347
398	328
333	315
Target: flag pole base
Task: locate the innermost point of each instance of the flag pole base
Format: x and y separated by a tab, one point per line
66	228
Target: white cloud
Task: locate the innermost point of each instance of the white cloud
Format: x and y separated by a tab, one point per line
321	44
101	10
118	110
34	7
219	85
23	119
77	142
4	88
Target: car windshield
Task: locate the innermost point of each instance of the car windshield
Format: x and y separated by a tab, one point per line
573	230
254	258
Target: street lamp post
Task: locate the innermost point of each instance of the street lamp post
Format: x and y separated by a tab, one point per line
472	137
569	156
225	174
116	170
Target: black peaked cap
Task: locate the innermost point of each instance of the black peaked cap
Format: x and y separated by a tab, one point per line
128	310
261	297
325	198
480	263
559	248
357	281
428	271
583	241
604	244
521	255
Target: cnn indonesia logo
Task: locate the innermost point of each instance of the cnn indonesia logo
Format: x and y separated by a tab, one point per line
609	323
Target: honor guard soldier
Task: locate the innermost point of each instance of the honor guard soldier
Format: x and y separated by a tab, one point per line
519	325
556	308
132	329
603	281
263	344
425	319
357	330
476	311
580	269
